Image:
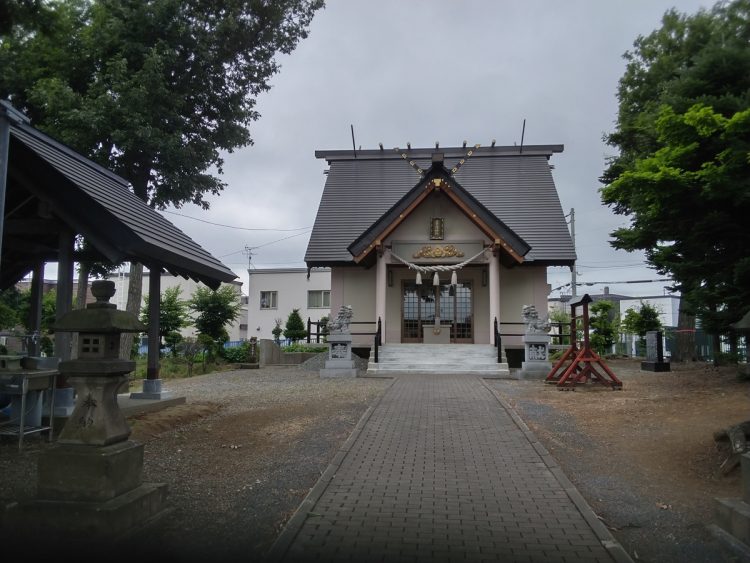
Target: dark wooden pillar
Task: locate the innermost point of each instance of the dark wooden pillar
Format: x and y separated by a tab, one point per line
35	322
64	301
154	301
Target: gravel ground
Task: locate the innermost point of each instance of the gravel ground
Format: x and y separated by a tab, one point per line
238	458
244	451
644	457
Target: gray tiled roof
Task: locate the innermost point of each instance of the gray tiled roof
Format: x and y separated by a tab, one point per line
97	203
517	187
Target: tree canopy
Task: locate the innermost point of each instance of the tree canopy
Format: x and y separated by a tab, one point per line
603	326
215	309
640	321
152	89
173	315
682	173
295	328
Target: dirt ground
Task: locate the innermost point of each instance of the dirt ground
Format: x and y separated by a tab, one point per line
243	453
644	457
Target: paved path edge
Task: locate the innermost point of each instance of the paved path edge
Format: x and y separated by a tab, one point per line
609	542
289	533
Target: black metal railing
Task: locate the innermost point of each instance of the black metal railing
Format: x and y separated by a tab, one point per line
498	343
378	340
321	330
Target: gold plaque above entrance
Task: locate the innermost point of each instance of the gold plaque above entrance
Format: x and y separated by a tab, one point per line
420	253
438	251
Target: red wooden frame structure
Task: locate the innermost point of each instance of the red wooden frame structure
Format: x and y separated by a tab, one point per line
579	365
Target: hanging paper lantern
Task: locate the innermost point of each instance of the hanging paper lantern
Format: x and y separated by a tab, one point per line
436	279
419	278
454	278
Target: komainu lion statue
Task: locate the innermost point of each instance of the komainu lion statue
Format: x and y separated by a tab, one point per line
341	323
534	325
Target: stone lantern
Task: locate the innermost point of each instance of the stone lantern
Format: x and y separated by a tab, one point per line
90	483
98	372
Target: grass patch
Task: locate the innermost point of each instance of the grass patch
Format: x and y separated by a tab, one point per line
177	368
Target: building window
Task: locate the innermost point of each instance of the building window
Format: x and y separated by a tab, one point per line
319	299
268	299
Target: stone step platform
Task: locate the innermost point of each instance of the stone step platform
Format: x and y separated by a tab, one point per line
732	516
475	359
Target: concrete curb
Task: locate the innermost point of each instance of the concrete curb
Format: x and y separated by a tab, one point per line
289	533
609	542
741	550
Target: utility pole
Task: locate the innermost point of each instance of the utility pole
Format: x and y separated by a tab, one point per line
249	253
573	236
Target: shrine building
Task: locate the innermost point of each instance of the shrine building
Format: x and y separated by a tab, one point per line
437	243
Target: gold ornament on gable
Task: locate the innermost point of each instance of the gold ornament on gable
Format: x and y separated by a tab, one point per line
444	251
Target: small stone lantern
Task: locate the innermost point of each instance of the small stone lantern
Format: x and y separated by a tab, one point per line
90	484
98	372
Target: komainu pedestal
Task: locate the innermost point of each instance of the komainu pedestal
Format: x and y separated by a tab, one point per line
536	341
340	362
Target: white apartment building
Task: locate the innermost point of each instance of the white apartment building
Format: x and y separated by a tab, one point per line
274	292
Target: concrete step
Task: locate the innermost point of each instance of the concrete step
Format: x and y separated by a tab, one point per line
479	359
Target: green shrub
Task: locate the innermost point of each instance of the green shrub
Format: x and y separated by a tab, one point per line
238	354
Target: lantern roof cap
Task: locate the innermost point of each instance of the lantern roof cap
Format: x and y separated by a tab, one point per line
100	316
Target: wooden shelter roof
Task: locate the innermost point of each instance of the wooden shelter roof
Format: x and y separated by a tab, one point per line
51	189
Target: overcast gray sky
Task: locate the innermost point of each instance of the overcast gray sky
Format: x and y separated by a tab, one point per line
444	71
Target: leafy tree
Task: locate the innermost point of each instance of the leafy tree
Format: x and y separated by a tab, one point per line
277	330
603	326
215	309
9	303
681	174
49	306
560	320
295	328
640	321
190	347
701	173
173	316
153	90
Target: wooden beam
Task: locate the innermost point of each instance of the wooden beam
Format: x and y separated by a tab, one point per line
33	226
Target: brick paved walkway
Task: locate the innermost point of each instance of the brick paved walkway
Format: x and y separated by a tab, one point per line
439	470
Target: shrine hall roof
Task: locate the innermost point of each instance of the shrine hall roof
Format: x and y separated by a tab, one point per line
515	184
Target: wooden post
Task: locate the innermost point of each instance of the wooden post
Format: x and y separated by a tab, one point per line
154	302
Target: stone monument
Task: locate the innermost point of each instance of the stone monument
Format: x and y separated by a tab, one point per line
340	363
89	484
654	353
536	341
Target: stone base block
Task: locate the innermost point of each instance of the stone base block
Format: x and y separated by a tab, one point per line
338	372
535	370
89	474
161	396
339	364
655	366
733	515
152	390
83	523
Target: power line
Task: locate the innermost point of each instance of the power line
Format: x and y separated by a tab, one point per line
614	282
234	226
249	249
